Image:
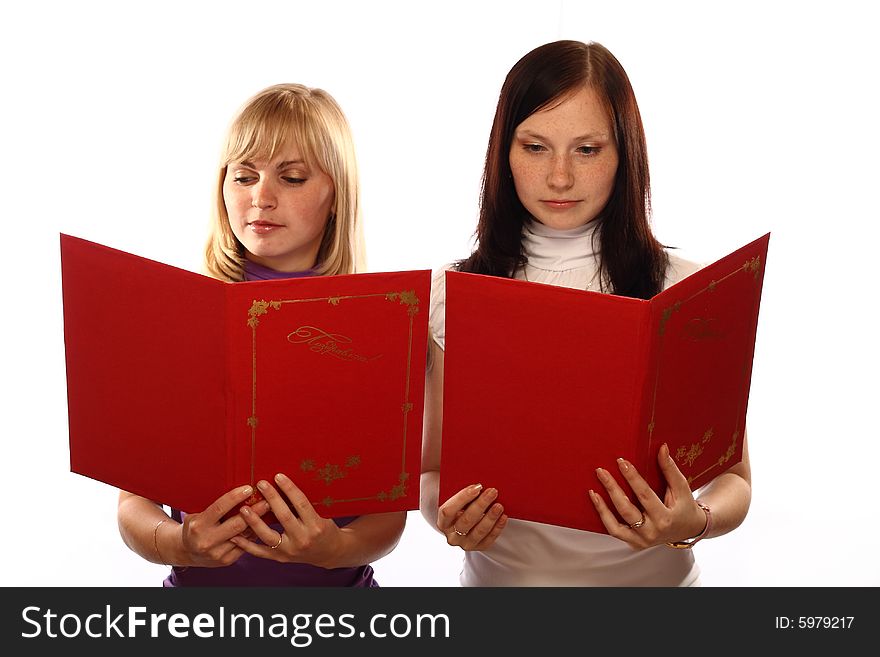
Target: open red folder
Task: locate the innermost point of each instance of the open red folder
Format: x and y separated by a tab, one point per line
545	384
181	387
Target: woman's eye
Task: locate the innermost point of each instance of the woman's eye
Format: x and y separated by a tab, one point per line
293	180
533	148
243	180
588	150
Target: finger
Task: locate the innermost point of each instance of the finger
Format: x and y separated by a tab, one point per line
260	508
476	533
251	547
676	480
226	503
487	542
474	512
649	500
612	524
285	515
628	511
262	531
298	499
451	510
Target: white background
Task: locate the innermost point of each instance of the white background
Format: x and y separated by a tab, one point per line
760	116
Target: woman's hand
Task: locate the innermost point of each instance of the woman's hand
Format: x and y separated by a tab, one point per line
471	519
306	536
205	537
675	518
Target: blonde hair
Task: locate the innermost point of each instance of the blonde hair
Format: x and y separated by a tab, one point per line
274	118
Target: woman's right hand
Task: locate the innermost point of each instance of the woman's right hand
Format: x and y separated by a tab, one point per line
471	519
205	537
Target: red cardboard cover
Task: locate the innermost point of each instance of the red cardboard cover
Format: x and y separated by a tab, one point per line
544	384
181	387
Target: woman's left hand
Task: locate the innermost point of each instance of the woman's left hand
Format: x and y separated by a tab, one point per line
657	522
306	536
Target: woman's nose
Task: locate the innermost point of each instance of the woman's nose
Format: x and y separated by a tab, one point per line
263	196
560	175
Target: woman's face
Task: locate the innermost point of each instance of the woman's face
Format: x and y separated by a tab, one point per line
564	161
279	209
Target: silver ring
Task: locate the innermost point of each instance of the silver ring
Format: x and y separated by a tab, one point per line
280	539
638	523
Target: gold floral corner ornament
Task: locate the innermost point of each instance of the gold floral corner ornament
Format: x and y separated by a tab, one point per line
260	308
753	266
395	492
407	298
667	314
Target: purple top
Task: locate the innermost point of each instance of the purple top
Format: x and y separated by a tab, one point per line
253	571
255	272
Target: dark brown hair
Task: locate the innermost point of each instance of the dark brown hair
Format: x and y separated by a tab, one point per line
632	260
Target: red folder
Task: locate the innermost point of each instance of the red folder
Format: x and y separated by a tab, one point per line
545	384
181	387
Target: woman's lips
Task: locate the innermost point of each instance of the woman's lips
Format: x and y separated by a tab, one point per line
560	204
263	227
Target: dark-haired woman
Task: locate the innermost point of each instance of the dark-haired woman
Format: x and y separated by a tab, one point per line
566	201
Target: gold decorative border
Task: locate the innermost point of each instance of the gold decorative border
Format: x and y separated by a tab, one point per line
751	266
406	298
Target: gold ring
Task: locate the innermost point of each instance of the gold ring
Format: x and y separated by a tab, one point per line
638	523
280	538
458	532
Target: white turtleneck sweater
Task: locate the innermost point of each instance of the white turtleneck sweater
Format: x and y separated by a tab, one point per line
536	554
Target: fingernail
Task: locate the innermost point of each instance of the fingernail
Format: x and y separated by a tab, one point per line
623	465
592	495
247	491
492	493
245	511
263	485
602	474
476	488
281	478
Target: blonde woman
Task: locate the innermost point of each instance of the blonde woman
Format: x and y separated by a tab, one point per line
286	206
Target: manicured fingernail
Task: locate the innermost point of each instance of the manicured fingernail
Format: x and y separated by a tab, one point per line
247	491
245	511
592	495
281	478
491	493
476	488
602	474
624	466
263	485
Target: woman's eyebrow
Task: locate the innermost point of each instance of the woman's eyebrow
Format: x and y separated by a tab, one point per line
281	165
586	137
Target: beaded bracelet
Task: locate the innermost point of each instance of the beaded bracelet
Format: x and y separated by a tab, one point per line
688	543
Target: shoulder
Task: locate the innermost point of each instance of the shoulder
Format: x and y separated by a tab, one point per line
681	265
438	282
437	316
